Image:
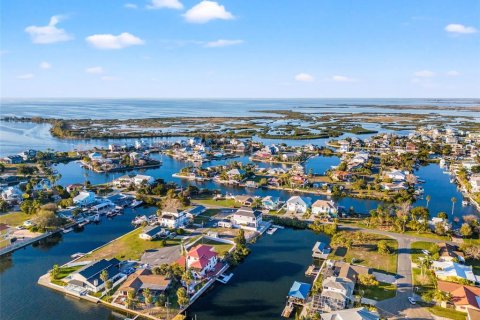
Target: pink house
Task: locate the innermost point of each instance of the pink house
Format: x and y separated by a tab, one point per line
201	259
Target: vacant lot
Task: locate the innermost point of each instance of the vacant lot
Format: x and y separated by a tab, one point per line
381	292
129	246
14	219
366	254
418	247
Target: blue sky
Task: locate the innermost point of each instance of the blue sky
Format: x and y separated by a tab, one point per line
240	48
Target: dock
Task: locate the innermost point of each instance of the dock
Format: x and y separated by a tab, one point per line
224	278
287	311
312	271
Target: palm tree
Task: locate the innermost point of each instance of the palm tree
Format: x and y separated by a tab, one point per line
55	271
104	277
428	198
454	200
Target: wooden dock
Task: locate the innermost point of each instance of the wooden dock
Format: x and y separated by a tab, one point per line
287	311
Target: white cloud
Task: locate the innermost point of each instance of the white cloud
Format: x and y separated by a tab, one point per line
110	41
424	74
206	11
48	34
338	78
453	73
459	28
130	6
45	65
94	70
223	43
304	77
26	76
168	4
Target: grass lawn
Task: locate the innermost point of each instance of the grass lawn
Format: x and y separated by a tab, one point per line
129	246
425	282
418	246
429	235
475	264
220	247
366	254
381	292
14	219
447	313
228	203
4	243
65	271
475	241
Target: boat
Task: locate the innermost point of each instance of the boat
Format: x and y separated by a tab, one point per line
67	230
77	255
136	203
224	278
465	203
271	231
139	220
111	214
96	218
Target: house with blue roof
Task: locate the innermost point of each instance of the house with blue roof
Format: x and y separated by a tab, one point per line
321	250
195	211
88	277
299	292
151	233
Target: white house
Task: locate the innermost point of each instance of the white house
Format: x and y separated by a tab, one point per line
320	207
84	198
344	146
151	233
139	179
201	259
297	204
475	183
88	277
396	175
247	218
173	218
12	194
448	269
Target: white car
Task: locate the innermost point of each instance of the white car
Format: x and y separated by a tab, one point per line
28	223
426	252
411	300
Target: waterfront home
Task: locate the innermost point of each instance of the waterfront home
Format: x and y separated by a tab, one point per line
449	253
74	187
345	270
12	195
244	200
436	220
140	179
201	259
322	207
448	270
393	186
321	250
151	233
475	182
344	146
271	202
95	156
224	223
173	218
195	211
235	174
337	294
144	279
350	314
463	297
247	218
298	293
84	198
123	181
396	175
341	176
297	204
28	154
12	159
88	277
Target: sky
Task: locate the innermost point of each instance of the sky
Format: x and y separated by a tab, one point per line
240	48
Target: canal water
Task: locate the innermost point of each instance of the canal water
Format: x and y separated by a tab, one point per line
22	298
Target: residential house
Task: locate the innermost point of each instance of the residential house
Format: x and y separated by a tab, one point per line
322	207
321	250
12	159
201	259
447	270
195	211
84	198
28	155
244	200
297	204
12	195
140	179
463	297
144	279
95	156
337	294
74	187
344	146
247	218
235	174
299	292
396	175
88	277
151	233
173	218
350	314
271	203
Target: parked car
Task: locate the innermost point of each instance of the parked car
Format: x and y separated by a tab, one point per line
411	300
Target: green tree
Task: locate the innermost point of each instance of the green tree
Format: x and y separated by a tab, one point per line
54	272
104	277
182	297
428	198
466	230
382	247
147	296
368	280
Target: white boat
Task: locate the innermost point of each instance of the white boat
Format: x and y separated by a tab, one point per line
271	230
67	230
224	278
136	203
465	203
96	218
77	255
139	220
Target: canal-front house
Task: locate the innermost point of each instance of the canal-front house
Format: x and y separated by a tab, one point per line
173	218
247	218
151	233
201	259
337	294
84	198
297	204
324	207
88	277
271	203
350	314
463	298
143	279
321	250
448	270
299	292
